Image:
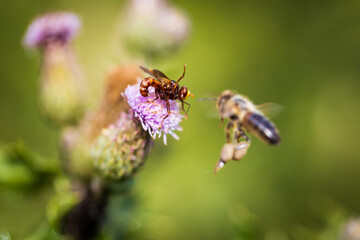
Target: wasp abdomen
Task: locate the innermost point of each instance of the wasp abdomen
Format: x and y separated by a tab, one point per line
261	127
144	85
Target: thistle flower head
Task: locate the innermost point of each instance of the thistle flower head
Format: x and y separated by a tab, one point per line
59	26
151	113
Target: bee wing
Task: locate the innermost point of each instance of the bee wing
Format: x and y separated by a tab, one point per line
155	73
270	109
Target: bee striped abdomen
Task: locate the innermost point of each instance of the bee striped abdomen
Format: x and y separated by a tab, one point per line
261	127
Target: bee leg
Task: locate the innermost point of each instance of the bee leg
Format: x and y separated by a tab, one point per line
221	122
245	136
228	131
241	133
168	111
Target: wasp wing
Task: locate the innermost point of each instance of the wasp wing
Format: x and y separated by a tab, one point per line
146	70
270	109
156	74
159	75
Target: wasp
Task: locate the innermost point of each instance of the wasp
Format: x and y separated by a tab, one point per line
243	116
165	89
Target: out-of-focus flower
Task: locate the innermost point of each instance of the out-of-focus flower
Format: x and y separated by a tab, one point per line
60	27
112	102
121	148
151	113
76	143
62	90
351	230
153	27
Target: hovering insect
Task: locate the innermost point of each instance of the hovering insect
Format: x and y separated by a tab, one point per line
165	89
243	116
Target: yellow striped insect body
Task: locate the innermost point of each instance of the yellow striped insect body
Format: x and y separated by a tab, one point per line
244	116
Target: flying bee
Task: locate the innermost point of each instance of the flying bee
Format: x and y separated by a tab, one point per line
165	89
244	116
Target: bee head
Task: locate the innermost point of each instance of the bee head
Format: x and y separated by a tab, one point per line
184	93
223	98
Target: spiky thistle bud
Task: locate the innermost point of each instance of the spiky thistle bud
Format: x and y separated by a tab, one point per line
77	143
62	88
121	148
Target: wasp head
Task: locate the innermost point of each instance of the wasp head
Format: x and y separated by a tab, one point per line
184	93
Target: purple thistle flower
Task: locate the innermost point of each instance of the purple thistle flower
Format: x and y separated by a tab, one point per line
151	114
59	26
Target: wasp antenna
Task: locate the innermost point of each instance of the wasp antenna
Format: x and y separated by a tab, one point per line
182	75
206	99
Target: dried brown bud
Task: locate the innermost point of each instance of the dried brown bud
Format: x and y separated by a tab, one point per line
77	143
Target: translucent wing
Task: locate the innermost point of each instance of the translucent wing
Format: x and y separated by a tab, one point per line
155	73
158	74
270	109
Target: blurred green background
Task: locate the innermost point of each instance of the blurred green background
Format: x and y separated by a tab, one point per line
304	55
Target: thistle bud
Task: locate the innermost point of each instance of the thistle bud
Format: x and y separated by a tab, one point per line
121	148
77	142
62	85
153	27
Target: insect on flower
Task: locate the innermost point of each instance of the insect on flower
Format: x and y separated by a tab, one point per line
151	113
165	89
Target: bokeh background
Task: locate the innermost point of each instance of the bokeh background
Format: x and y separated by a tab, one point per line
304	55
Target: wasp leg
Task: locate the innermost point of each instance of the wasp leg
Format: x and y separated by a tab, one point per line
156	98
182	75
228	131
186	112
168	111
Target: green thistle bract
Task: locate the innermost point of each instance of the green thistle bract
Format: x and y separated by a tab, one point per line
120	149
